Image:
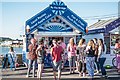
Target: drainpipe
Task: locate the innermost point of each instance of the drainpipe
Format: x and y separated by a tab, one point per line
119	14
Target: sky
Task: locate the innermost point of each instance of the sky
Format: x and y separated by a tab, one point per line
14	13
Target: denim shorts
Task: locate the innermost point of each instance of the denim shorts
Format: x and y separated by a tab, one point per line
57	65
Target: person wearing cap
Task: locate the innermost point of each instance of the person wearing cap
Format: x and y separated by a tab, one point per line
32	57
56	52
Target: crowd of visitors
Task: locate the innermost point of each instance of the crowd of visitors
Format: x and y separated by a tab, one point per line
86	58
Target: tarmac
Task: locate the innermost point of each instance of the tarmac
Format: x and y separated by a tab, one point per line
20	74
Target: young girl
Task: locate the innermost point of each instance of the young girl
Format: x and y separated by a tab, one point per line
40	51
81	57
90	50
101	57
12	58
71	48
32	57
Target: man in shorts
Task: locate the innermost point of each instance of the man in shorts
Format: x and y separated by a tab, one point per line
56	52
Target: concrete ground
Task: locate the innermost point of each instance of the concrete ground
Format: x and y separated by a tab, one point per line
20	74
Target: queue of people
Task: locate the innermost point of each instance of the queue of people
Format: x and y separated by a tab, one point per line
82	57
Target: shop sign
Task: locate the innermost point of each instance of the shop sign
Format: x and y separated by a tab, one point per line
39	19
75	20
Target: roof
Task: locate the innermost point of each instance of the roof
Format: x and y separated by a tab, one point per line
57	8
100	24
104	26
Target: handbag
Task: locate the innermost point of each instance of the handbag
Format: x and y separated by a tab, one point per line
31	56
32	53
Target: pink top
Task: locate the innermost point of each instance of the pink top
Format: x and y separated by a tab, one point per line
117	45
71	50
56	53
63	45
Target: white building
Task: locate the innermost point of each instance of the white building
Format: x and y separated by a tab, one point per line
109	31
56	21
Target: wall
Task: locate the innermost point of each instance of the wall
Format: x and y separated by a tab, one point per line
92	36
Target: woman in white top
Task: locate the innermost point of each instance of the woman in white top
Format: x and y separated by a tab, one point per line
12	58
101	58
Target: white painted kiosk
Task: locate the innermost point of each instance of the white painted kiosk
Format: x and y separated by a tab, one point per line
56	21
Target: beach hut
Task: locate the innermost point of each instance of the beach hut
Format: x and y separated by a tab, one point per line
55	21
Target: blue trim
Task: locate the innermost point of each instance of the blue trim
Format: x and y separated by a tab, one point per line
55	28
37	15
40	25
108	27
113	25
40	19
94	31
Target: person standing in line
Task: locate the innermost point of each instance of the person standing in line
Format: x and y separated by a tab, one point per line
90	50
56	53
81	57
32	57
71	48
117	48
12	58
101	57
40	51
61	43
96	55
46	44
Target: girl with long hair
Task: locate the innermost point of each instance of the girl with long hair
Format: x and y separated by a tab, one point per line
12	58
40	51
101	58
81	57
71	48
90	51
